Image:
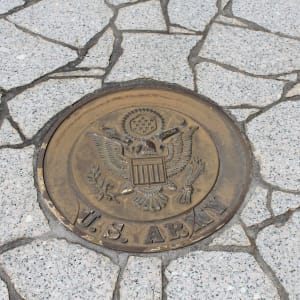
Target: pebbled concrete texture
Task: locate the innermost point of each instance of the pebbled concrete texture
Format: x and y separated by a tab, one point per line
80	19
270	14
275	136
280	248
8	134
98	56
191	14
218	275
252	51
44	270
142	16
230	88
243	113
155	56
242	55
282	202
232	236
53	92
20	212
142	285
256	209
3	291
25	58
6	5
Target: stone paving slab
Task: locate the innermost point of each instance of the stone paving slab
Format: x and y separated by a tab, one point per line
53	95
218	275
20	212
142	16
3	291
8	134
252	51
81	20
232	236
228	88
145	285
280	248
242	55
155	56
271	15
55	269
25	57
275	136
7	5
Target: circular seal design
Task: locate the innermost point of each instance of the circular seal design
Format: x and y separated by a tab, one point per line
144	170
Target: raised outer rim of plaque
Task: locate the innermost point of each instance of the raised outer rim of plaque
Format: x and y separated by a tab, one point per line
42	190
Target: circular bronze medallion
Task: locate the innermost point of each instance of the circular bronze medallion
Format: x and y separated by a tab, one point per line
144	169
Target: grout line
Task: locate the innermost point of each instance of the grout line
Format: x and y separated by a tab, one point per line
38	35
26	4
237	70
164	7
15	244
13	294
269	202
271	275
16	126
193	57
267	270
271	105
116	293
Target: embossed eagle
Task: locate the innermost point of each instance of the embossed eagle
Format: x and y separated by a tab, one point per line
147	166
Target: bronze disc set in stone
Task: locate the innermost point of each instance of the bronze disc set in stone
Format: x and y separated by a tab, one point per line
143	169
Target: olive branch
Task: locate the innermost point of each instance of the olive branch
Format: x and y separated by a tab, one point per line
100	186
194	169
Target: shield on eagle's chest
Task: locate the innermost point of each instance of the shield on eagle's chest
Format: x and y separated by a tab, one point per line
148	170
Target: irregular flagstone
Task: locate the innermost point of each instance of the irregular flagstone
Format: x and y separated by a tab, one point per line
142	279
20	213
233	236
280	248
242	114
71	22
6	5
282	202
217	275
35	106
277	16
55	269
141	16
275	136
98	56
294	91
256	52
256	210
25	58
232	88
3	291
192	14
8	135
156	56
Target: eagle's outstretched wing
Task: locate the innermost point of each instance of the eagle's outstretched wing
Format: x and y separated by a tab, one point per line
179	151
111	154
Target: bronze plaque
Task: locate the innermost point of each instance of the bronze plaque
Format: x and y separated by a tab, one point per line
144	169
